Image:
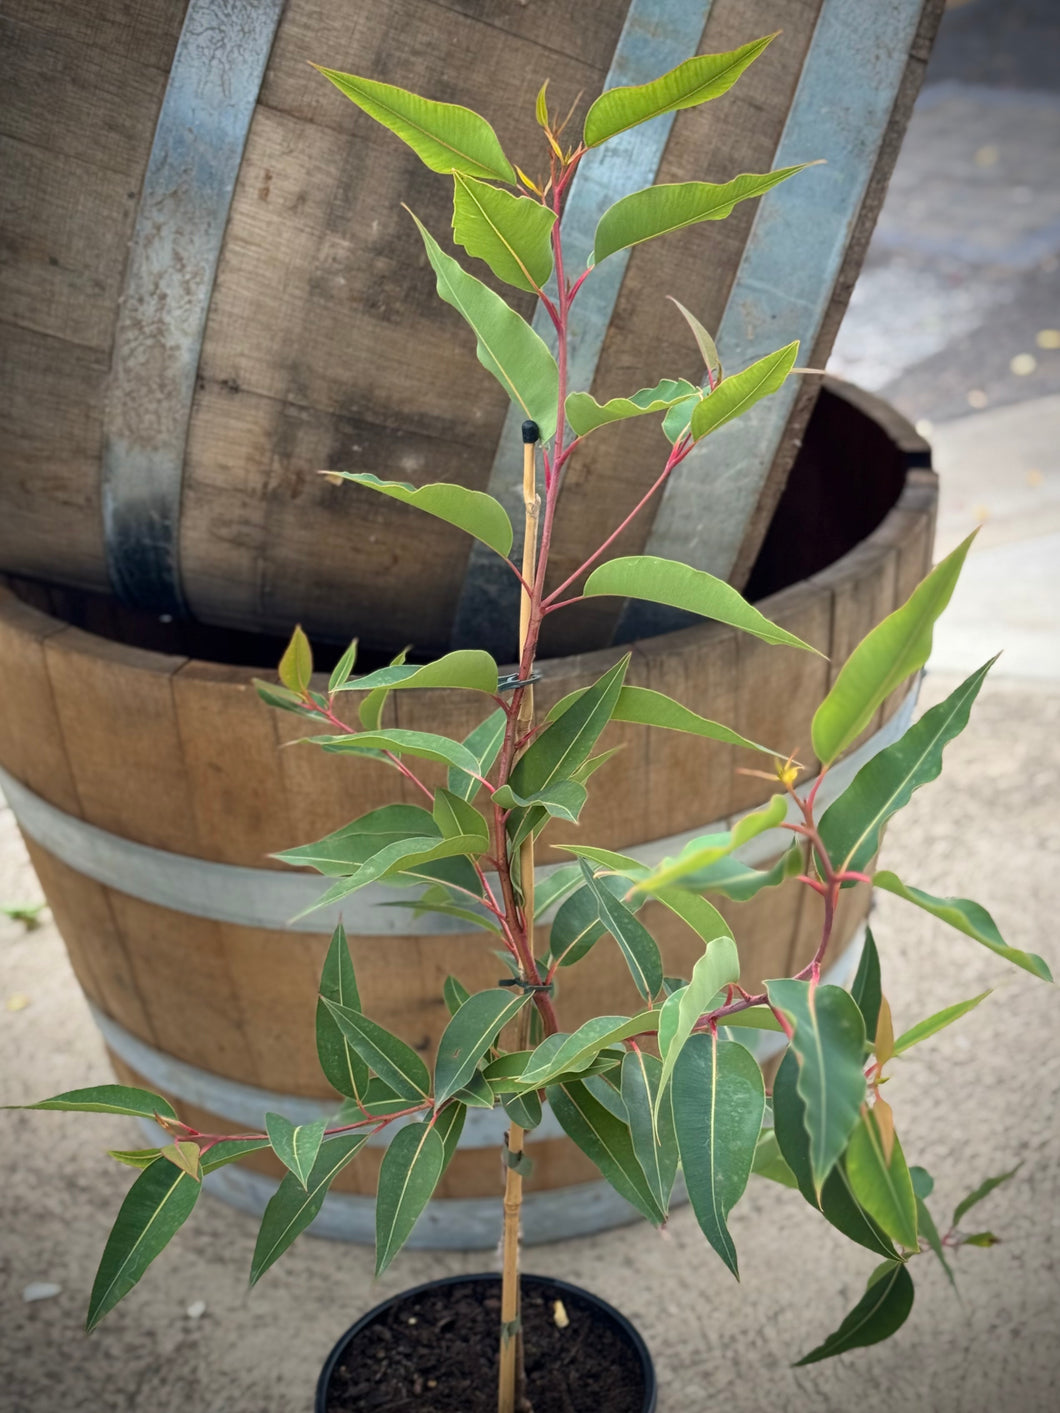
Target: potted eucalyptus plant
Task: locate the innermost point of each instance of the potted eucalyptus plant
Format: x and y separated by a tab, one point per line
673	1089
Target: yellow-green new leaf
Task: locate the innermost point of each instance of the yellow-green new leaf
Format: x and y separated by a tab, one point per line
444	136
296	665
469	668
473	511
585	414
935	1023
739	392
700	854
670	206
512	234
705	343
507	346
695	81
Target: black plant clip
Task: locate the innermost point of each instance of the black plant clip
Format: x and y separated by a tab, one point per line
525	985
509	684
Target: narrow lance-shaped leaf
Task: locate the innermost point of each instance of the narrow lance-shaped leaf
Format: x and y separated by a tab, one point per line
700	854
828	1041
891	652
703	340
370	710
636	943
769	1162
507	346
342	1065
576	1051
470	669
677	585
739	392
718	1103
296	1145
695	81
933	1024
866	987
396	1063
881	1183
606	1141
883	1308
718	967
469	1035
512	234
923	1185
421	745
408	1175
643	707
400	857
343	668
563	799
475	512
484	743
107	1099
653	1134
967	917
585	414
156	1206
577	925
292	1207
355	843
670	206
566	743
444	136
983	1190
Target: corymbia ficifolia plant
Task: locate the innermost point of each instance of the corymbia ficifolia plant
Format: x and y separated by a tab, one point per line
671	1088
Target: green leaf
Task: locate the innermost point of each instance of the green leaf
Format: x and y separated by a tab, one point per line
923	1186
585	414
670	206
435	901
449	1125
851	826
380	1101
228	1150
512	234
444	136
866	987
981	1238
458	819
678	585
357	842
739	391
716	968
370	710
292	1207
155	1207
343	668
577	1051
477	513
769	1162
735	880
836	1202
578	924
396	1063
134	1157
476	1093
567	742
400	857
653	1134
343	1067
296	1145
891	652
469	669
700	854
883	1308
703	340
718	1101
507	346
983	1190
523	1109
643	707
469	1035
967	917
606	1141
484	743
408	1175
423	745
635	942
555	887
883	1188
296	665
281	698
937	1022
454	994
693	82
562	799
702	917
829	1045
107	1099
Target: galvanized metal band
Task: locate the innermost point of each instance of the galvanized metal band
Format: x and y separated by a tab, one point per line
657	35
786	278
191	173
269	898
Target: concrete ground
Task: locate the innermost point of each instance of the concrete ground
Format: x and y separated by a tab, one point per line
971	1102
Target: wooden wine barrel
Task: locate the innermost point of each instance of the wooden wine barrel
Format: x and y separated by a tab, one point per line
212	290
150	787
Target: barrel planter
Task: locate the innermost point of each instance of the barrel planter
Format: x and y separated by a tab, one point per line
151	785
212	290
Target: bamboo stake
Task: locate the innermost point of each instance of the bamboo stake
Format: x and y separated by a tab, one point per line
511	1362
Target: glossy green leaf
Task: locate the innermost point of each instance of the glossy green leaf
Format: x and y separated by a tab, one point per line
576	1051
342	1065
891	652
718	1103
355	843
282	698
851	826
585	414
933	1024
702	917
671	206
484	743
507	346
134	1157
469	1035
296	665
107	1099
155	1207
421	745
635	942
769	1161
577	924
643	707
836	1201
923	1185
967	917
568	741
475	512
523	1109
512	234
380	1101
606	1141
449	1125
883	1308
738	392
454	994
653	1134
370	710
396	1063
476	1093
884	1188
700	854
983	1190
292	1207
437	900
866	987
718	967
678	585
343	668
458	819
444	136
829	1047
470	669
705	343
398	858
408	1175
228	1150
555	887
693	82
562	799
296	1145
733	879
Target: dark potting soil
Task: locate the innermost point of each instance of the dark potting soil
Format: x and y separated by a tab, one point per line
436	1352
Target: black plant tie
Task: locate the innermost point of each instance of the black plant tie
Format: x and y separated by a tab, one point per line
526	985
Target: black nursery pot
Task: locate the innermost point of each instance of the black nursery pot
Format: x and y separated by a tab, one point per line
434	1348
